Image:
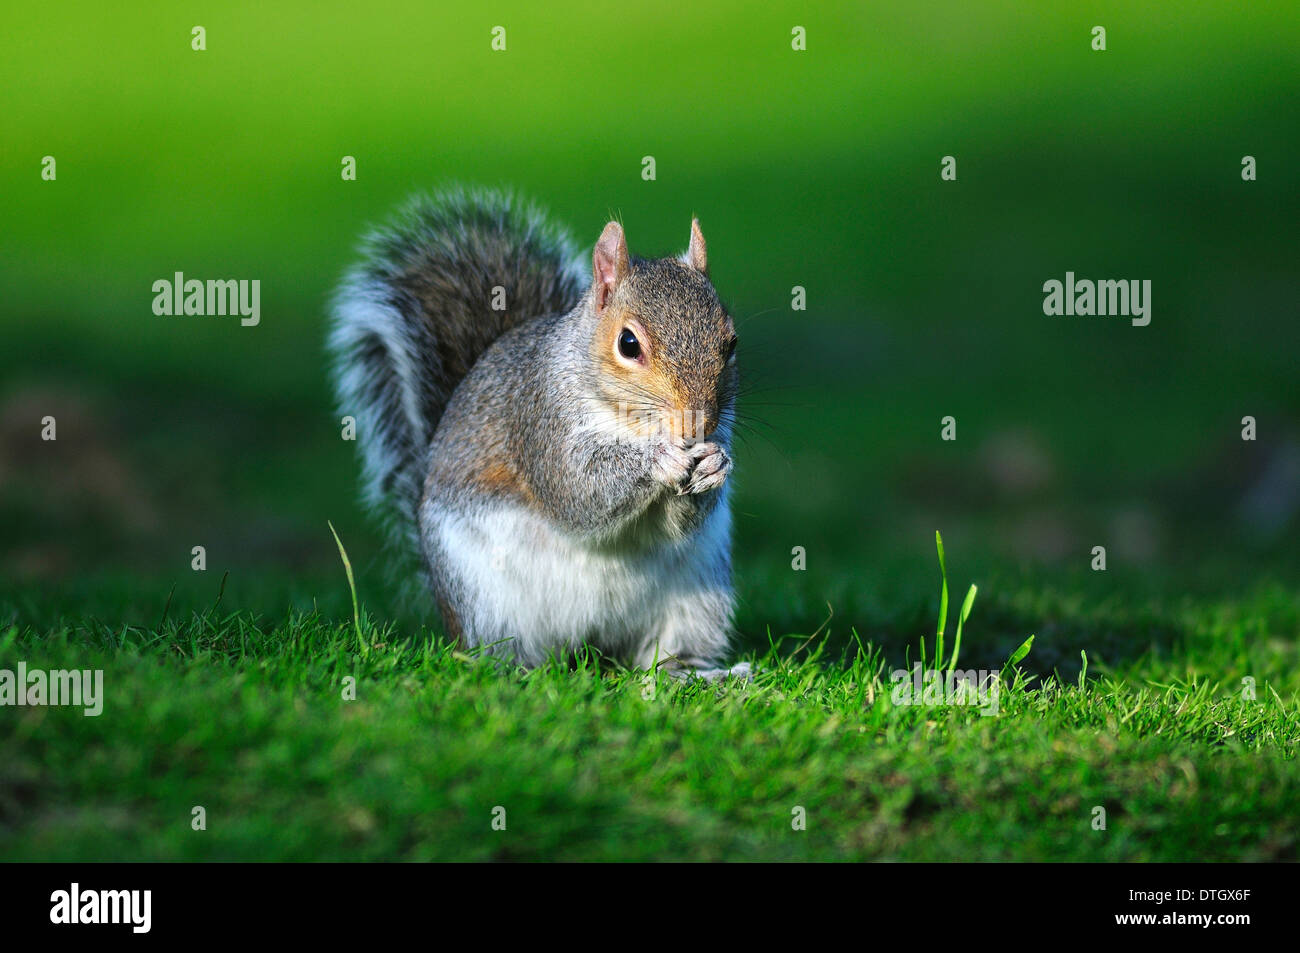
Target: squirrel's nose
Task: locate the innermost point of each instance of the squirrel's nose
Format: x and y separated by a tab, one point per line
695	424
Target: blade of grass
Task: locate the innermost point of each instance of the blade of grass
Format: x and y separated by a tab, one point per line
352	585
943	607
1018	654
961	622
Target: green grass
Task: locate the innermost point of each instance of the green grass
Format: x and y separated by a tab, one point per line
245	716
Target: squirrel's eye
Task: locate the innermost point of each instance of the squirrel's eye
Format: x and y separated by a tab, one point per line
628	345
731	349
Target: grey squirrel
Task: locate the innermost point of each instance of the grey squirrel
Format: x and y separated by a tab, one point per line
555	442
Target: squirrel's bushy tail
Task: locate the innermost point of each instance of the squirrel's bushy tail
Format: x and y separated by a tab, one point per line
415	315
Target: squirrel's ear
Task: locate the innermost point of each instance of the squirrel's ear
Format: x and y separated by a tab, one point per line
609	262
697	254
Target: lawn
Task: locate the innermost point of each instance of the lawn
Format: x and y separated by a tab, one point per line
254	720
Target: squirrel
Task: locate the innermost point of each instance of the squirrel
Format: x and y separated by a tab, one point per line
554	441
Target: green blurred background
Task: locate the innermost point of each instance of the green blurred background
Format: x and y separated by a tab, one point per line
817	168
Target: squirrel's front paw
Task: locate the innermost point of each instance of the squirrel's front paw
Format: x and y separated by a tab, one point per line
712	464
672	466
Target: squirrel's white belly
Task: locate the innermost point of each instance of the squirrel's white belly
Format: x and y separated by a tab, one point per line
517	578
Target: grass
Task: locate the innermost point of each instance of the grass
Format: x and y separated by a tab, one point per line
246	716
